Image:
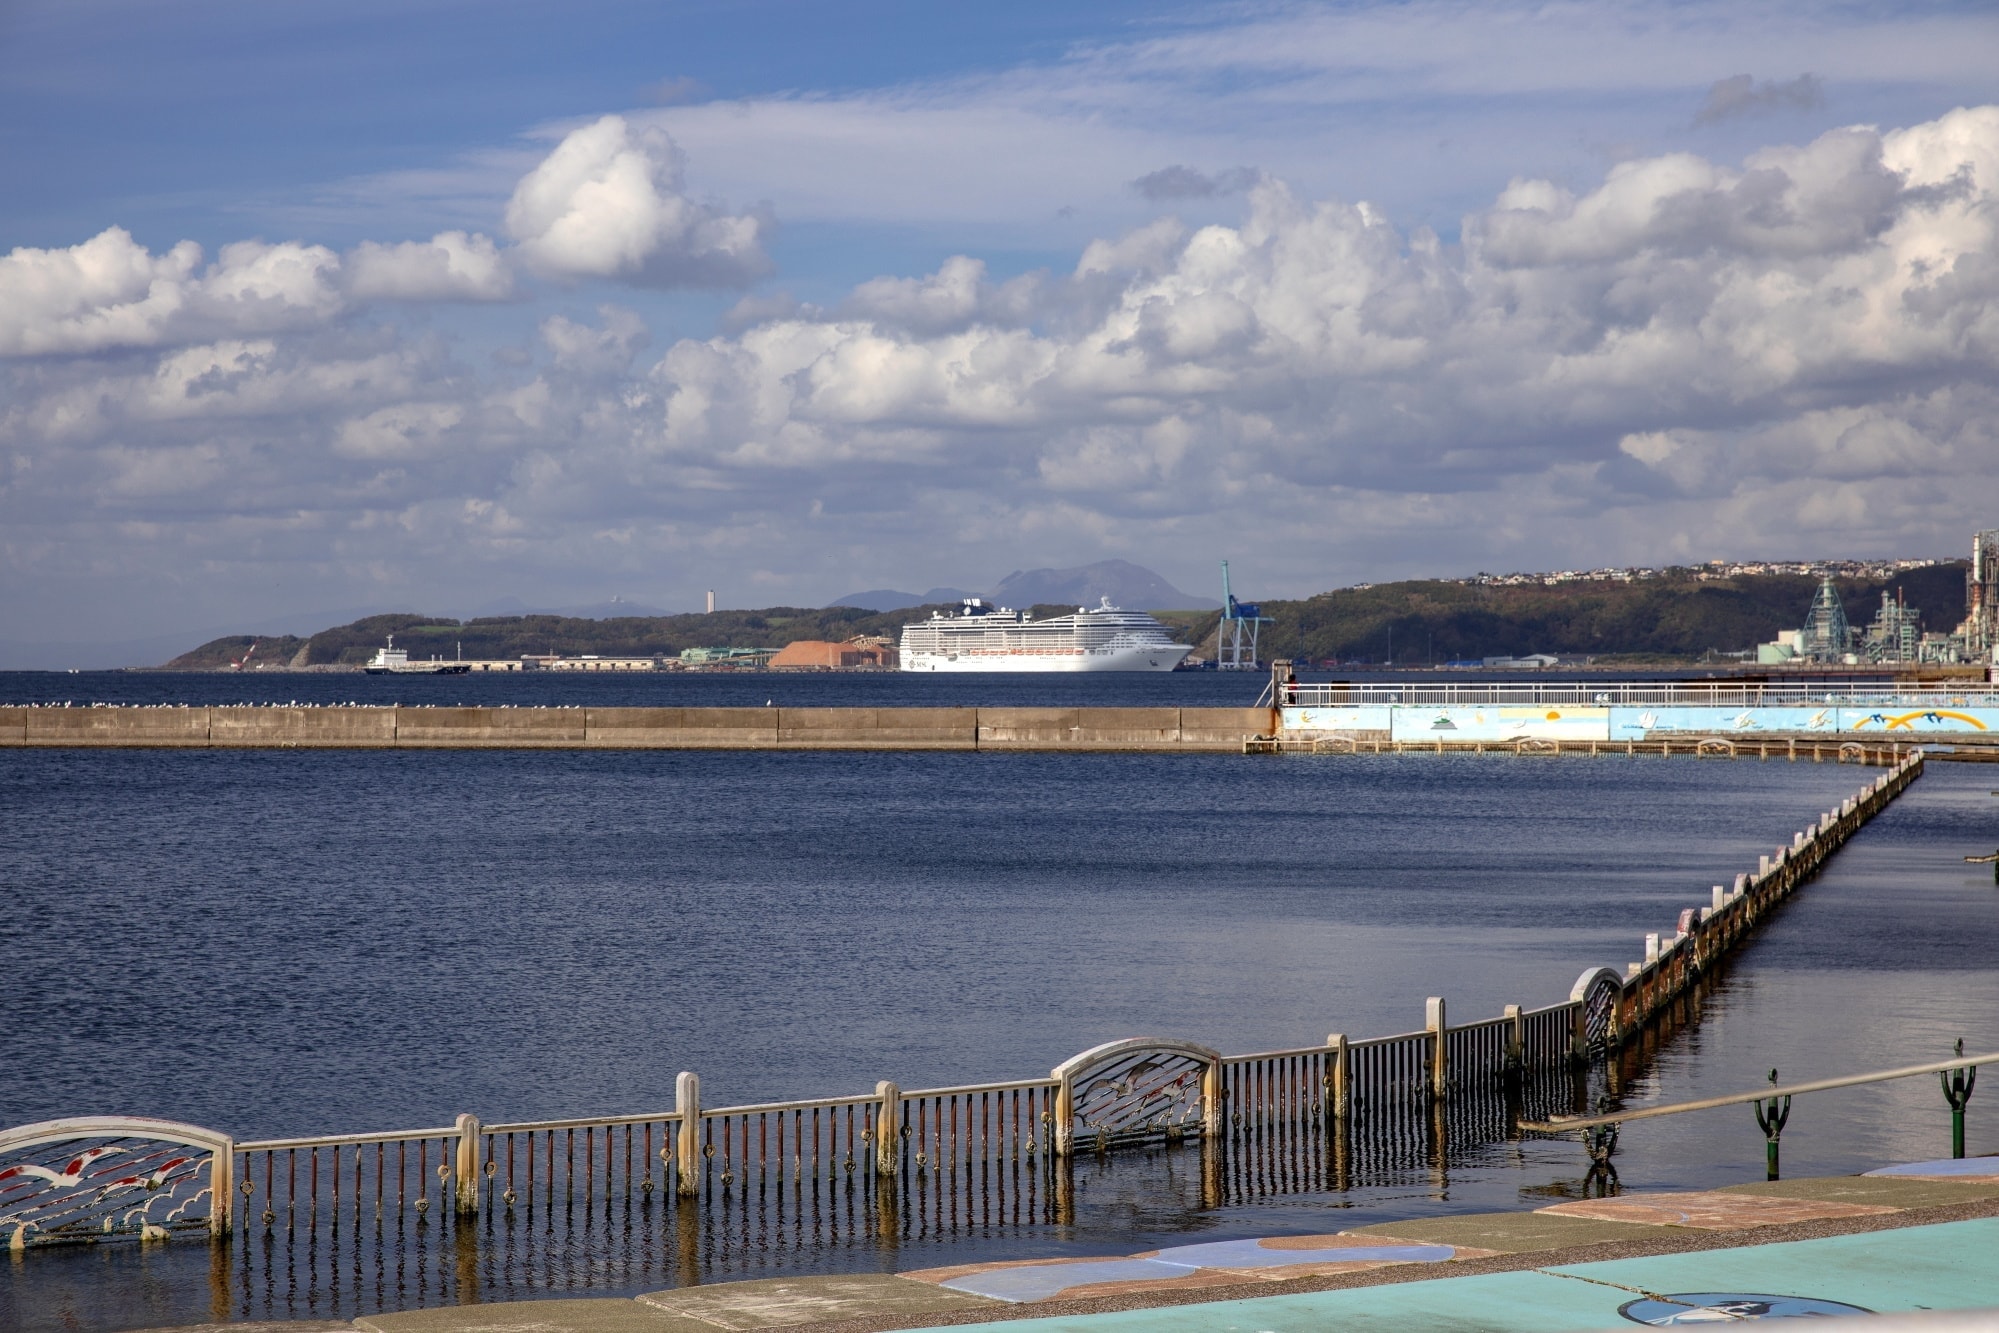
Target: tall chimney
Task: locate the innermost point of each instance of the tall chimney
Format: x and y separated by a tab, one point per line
711	601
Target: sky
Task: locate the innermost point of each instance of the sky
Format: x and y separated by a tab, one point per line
314	309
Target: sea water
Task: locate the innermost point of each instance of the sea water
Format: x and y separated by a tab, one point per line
280	943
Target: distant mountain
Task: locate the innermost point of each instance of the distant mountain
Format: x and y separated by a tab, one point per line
1131	586
888	599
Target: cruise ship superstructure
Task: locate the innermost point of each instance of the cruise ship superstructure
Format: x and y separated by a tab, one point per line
981	637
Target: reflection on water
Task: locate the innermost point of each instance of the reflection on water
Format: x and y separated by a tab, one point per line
287	944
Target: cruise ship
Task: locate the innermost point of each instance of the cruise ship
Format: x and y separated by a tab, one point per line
981	637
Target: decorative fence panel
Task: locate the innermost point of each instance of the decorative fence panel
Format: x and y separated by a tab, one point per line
97	1177
1140	1090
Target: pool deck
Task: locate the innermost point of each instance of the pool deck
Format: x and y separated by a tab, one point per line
1918	1236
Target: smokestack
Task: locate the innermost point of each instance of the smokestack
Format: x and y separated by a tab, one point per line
711	601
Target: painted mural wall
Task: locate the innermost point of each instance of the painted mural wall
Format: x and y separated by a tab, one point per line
1407	722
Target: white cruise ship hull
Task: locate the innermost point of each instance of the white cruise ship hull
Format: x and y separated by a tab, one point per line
1122	657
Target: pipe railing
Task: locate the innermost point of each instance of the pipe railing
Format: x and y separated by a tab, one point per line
1584	694
1773	1110
1562	1124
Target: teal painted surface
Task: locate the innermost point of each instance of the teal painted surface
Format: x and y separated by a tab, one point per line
1899	721
1500	722
1640	723
1944	1267
1360	717
1416	722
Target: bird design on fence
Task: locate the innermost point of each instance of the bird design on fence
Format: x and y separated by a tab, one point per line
89	1192
69	1176
1154	1095
1935	717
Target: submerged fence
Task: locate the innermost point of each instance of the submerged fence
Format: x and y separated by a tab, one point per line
893	1163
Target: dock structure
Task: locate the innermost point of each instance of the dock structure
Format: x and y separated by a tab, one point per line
355	726
1719	719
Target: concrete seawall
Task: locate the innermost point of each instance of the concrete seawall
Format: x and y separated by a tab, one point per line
1157	730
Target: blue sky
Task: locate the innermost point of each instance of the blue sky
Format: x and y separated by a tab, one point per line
792	299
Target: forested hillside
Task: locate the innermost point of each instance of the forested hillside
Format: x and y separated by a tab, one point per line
1674	615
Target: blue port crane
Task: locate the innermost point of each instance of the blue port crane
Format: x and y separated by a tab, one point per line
1235	642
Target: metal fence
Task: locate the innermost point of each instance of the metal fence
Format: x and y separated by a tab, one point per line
1648	694
495	1206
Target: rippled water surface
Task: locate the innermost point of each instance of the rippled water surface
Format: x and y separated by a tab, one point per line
285	943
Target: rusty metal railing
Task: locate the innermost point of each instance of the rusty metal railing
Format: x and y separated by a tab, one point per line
1383	1090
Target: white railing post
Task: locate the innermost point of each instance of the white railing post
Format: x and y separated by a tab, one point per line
1339	1077
687	1142
466	1165
1214	1115
1440	1060
888	1129
221	1190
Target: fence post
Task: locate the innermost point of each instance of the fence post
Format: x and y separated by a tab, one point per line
888	1129
466	1166
1214	1111
1339	1077
1516	1040
221	1190
1957	1085
1440	1060
687	1154
1065	1108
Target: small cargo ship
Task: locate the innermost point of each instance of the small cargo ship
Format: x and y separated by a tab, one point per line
394	661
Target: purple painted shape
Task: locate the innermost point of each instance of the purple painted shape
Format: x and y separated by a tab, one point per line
1253	1254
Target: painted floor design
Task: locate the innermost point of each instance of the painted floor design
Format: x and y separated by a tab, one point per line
1215	1263
1940	1266
1440	1240
1946	1266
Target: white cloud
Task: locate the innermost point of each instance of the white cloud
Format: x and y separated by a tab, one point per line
1792	351
110	292
604	203
450	266
607	203
1315	342
1408	104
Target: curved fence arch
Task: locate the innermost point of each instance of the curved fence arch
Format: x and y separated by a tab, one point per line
1136	1089
1595	996
93	1177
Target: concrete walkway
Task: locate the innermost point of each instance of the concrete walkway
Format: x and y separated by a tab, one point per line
1917	1236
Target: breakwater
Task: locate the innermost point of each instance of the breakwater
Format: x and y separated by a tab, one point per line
1293	1120
1170	730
